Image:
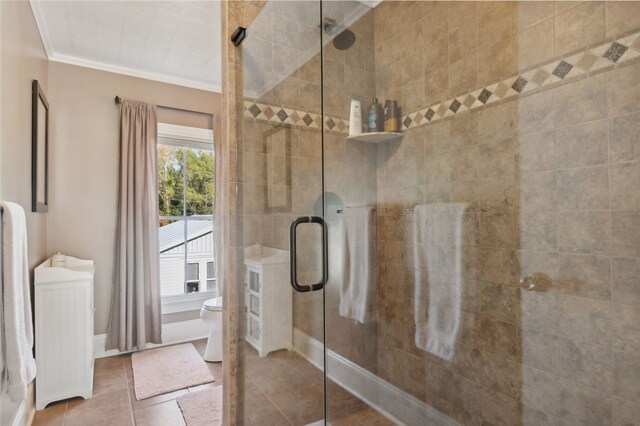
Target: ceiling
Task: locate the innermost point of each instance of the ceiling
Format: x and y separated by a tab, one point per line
177	42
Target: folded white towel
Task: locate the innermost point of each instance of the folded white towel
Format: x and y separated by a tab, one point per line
438	256
357	290
20	367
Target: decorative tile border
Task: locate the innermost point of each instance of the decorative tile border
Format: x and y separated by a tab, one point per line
603	56
591	60
298	118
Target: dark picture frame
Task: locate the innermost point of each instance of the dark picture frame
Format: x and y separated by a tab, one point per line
39	150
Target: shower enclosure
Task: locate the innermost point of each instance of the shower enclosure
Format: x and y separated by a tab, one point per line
481	265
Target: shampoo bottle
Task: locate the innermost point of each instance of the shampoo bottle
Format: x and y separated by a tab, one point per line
391	120
355	118
375	117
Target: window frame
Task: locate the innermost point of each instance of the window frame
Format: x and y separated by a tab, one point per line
213	279
188	281
195	138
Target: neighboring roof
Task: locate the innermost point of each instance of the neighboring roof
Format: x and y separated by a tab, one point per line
172	235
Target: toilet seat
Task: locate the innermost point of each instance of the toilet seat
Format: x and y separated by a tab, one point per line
213	304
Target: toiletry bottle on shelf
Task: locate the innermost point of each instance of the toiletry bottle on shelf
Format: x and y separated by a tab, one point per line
375	117
391	116
355	118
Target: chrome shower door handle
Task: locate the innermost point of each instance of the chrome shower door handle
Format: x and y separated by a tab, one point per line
293	277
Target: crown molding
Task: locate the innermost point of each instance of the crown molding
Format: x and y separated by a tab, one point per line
163	78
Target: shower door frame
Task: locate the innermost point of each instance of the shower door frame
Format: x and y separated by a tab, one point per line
233	21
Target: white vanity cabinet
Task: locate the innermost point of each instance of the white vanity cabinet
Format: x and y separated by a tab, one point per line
268	299
63	329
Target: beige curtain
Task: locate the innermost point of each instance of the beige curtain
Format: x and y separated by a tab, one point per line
135	318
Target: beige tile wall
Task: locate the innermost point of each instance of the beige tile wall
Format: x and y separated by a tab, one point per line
554	181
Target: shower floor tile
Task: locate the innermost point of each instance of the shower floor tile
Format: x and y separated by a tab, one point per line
283	388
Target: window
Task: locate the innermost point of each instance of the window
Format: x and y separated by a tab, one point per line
211	276
193	277
186	193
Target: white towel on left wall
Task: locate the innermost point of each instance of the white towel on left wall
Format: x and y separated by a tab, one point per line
20	366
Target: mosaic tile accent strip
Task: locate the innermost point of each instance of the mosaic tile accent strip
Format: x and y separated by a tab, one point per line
282	115
602	56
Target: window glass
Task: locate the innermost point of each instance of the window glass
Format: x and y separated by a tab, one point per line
211	270
186	191
193	272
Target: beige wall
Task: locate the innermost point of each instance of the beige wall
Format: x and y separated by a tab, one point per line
22	59
84	160
552	182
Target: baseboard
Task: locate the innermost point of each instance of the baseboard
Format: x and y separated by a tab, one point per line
27	410
172	333
392	402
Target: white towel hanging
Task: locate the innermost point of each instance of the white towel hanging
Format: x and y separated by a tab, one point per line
20	366
438	264
357	290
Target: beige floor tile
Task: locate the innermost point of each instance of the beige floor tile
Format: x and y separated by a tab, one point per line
123	418
109	364
164	414
264	414
98	408
300	408
53	415
109	382
373	418
278	380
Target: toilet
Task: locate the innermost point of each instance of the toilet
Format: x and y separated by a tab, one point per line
211	313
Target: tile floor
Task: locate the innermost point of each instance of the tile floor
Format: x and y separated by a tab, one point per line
285	389
114	402
281	389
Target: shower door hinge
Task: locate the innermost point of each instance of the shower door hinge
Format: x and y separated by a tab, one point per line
238	36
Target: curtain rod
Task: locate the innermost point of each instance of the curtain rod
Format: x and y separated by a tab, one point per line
119	100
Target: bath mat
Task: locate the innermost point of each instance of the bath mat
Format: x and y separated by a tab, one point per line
163	370
202	408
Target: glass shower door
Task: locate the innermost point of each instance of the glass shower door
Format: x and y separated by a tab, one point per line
481	263
280	222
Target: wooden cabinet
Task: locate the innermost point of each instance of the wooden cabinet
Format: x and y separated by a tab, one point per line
63	329
268	299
